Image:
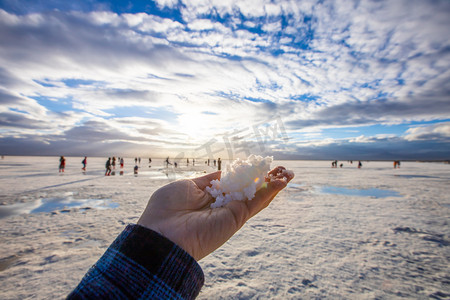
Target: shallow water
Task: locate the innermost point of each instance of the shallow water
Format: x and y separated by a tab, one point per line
335	190
416	176
48	205
373	192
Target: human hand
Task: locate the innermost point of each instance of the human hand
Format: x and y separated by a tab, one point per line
181	212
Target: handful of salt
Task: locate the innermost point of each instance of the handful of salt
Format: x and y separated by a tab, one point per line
240	180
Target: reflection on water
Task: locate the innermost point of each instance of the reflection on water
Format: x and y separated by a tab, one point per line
295	186
171	174
415	176
47	205
374	192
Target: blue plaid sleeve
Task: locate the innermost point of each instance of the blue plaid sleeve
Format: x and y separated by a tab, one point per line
141	264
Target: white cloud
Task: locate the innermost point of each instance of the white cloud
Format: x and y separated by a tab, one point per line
166	3
201	24
272	9
372	139
440	131
272	27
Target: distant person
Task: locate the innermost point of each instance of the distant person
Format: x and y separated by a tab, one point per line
84	162
359	165
149	160
121	162
62	164
167	162
341	165
219	164
139	160
135	160
214	161
157	258
136	169
193	161
108	167
175	164
113	162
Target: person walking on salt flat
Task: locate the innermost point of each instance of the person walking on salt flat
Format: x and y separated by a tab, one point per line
108	167
84	162
62	164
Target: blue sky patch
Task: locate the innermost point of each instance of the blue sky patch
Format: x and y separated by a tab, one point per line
161	113
44	83
209	113
304	97
56	105
75	83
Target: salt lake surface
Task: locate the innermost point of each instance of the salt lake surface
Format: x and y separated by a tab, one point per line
344	233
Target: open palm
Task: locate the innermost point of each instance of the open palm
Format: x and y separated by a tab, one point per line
181	212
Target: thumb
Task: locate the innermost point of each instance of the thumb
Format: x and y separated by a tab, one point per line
204	181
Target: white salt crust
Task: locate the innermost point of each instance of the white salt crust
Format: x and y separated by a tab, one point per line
285	173
240	180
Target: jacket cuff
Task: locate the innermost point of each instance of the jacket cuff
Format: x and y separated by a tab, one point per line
143	264
162	258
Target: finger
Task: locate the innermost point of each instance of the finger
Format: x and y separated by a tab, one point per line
279	173
276	171
264	196
267	193
204	181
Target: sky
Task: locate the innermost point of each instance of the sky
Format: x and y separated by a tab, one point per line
346	80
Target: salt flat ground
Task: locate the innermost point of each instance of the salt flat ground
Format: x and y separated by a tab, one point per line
344	233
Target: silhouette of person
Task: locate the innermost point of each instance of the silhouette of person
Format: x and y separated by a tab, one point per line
108	167
84	162
62	164
167	162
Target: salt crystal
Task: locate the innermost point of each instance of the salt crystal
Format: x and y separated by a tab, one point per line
240	180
